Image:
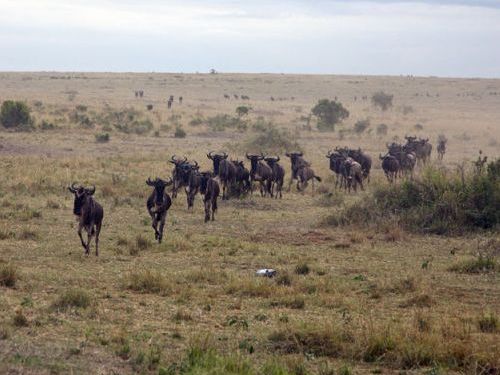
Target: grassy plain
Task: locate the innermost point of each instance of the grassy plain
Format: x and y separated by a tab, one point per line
347	300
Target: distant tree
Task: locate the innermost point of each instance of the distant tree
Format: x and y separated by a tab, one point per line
213	71
329	114
15	115
382	100
242	110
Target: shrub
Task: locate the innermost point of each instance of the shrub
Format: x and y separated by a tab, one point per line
8	275
102	137
329	114
382	129
361	125
196	121
481	264
302	269
437	202
149	107
382	100
46	125
489	323
179	132
15	115
146	281
242	110
222	122
19	319
77	298
273	140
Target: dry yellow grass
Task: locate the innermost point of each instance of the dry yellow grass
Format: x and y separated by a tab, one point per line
366	302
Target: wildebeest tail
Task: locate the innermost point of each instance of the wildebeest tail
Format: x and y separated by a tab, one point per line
317	178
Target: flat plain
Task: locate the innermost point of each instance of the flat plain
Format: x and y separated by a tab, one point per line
347	299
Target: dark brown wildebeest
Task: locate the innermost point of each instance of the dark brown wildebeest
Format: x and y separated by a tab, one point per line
278	176
169	104
210	190
407	159
260	172
337	160
193	185
304	174
441	147
421	147
141	93
180	175
391	166
363	159
226	96
225	170
354	173
242	177
180	99
297	161
89	213
158	204
236	96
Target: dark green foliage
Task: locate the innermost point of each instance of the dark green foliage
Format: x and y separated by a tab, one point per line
361	125
102	137
438	202
16	115
242	110
273	140
329	114
179	132
481	264
223	122
382	129
382	100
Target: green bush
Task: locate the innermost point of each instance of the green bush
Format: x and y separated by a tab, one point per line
382	100
16	115
179	132
77	298
361	125
382	129
102	137
437	202
272	140
329	114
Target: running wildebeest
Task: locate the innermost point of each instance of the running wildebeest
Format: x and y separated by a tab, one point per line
210	190
421	147
90	215
260	172
337	166
169	104
297	161
193	184
354	174
304	174
441	147
158	204
180	175
391	166
278	176
225	170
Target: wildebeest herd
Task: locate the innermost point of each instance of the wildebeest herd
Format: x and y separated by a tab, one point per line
351	167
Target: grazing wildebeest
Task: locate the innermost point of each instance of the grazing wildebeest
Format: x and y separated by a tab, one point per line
193	184
297	161
236	96
180	99
180	175
304	174
210	190
260	172
89	213
242	177
225	170
441	147
278	176
158	204
391	166
141	93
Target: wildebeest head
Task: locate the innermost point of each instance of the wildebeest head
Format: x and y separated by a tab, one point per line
254	160
216	158
81	196
271	161
159	186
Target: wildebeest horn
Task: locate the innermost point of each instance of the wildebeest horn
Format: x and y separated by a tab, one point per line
169	182
72	188
248	157
149	182
91	191
195	165
277	159
329	154
209	155
224	155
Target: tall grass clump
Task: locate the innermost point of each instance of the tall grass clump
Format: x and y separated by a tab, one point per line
437	202
73	298
146	281
8	275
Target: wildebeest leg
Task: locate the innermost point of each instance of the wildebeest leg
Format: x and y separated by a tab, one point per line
162	225
80	227
207	209
155	226
290	182
90	233
97	232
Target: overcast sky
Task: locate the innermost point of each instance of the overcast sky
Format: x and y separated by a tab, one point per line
427	37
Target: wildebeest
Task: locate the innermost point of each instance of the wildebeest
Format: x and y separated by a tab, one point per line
89	213
225	170
226	96
210	190
158	204
169	104
180	99
363	159
242	177
407	159
421	147
278	176
297	161
304	174
441	147
193	184
180	174
337	166
354	173
391	166
260	172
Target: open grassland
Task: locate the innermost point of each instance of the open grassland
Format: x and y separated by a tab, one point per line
347	299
